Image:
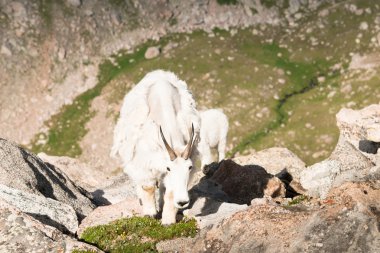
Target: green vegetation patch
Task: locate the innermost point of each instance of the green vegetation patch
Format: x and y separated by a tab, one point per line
45	9
227	2
67	128
297	200
136	234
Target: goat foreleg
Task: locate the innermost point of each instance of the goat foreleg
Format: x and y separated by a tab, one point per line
146	194
169	211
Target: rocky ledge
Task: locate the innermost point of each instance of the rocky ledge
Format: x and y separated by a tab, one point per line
268	201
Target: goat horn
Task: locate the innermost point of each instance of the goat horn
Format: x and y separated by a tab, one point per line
167	146
187	152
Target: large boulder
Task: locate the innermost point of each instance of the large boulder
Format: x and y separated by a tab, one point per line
355	157
26	172
346	222
22	233
361	128
46	210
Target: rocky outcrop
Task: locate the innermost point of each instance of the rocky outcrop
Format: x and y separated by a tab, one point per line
346	222
46	210
22	233
105	189
26	172
350	161
80	173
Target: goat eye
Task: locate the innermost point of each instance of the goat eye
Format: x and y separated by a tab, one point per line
190	167
167	168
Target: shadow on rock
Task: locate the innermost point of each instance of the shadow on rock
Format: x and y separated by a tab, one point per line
99	199
241	184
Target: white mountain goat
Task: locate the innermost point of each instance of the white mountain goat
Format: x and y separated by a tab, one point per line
155	136
213	135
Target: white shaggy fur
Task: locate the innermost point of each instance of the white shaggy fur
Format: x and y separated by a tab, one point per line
159	99
213	135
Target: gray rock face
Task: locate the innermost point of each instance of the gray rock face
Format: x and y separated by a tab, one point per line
24	171
22	233
81	173
360	125
46	210
207	211
355	157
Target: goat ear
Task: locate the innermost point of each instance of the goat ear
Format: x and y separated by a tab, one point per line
188	150
171	152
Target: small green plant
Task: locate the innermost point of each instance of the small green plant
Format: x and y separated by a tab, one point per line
268	3
136	234
83	251
45	9
227	2
297	200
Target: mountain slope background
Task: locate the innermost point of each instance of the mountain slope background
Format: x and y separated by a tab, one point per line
280	70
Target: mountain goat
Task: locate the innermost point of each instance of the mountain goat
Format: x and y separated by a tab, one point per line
155	136
213	135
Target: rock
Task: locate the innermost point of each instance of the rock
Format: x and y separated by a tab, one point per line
275	161
5	51
81	173
117	189
61	54
75	3
346	164
207	211
368	61
26	172
46	210
170	46
244	183
106	214
355	157
363	26
22	233
359	126
349	216
18	9
152	52
319	178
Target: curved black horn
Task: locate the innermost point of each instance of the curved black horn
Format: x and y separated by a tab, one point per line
167	146
187	152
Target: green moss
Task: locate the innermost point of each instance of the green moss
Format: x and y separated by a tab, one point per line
297	200
83	251
45	9
136	234
268	3
227	2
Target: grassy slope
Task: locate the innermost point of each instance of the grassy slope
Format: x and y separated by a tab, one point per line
241	74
